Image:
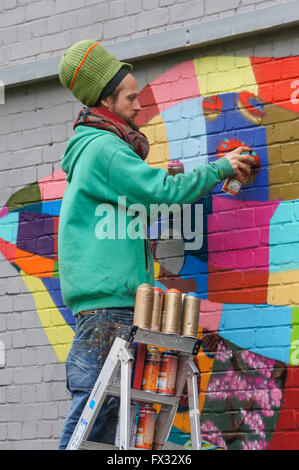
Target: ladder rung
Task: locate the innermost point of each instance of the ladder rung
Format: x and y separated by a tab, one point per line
180	343
142	395
90	445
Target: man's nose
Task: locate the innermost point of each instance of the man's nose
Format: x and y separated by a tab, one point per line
137	106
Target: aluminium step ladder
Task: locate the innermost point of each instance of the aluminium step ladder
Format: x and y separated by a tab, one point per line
121	358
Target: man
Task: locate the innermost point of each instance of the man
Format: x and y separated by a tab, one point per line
104	162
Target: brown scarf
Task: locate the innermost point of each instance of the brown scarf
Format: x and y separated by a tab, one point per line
103	119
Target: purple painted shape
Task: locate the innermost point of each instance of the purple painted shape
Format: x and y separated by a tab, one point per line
36	234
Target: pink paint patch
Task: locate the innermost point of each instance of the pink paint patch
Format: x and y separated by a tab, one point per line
176	85
52	187
4	211
210	314
243	226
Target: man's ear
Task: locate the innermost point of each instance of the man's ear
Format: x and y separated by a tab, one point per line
106	102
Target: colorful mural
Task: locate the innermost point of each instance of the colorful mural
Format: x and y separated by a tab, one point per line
246	271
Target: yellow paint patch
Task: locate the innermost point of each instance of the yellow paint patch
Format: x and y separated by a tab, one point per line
59	333
224	74
156	269
283	288
155	131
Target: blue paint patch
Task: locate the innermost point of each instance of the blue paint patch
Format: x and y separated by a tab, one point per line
186	132
91	404
236	126
53	287
262	329
46	207
51	207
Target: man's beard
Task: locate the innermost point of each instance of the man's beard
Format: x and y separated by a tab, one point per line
132	124
129	121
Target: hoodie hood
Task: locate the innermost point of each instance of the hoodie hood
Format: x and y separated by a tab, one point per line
83	136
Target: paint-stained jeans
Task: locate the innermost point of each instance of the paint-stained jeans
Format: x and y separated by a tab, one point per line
92	342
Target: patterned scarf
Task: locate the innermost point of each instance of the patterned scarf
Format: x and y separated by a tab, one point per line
103	119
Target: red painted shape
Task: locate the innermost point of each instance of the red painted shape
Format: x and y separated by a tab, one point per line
149	107
242	287
286	434
277	80
8	250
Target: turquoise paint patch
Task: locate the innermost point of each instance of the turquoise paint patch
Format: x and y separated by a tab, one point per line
160	285
263	329
284	238
9	227
183	439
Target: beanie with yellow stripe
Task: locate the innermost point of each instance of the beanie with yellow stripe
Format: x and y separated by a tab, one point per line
86	68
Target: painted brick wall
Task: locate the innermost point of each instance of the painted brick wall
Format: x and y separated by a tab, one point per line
246	272
38	29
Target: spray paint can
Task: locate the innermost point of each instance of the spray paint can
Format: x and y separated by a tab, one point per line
191	308
157	309
145	427
151	369
175	167
172	310
143	306
233	185
167	373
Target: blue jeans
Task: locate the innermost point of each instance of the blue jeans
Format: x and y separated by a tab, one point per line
91	345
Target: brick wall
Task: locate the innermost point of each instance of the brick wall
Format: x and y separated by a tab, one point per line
246	271
39	29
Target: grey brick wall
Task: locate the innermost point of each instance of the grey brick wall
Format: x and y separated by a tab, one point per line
40	29
35	124
33	396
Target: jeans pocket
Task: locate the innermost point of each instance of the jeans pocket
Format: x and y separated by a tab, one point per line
91	346
82	367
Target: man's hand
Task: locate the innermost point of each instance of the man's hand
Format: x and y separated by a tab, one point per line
241	163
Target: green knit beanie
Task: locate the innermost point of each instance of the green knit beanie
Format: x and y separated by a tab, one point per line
86	68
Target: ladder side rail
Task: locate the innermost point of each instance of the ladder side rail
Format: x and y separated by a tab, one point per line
194	411
163	425
167	413
125	398
97	396
183	368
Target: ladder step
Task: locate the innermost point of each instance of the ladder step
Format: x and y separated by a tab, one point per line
142	395
183	344
89	445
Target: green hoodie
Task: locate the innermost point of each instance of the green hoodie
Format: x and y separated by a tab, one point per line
97	272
